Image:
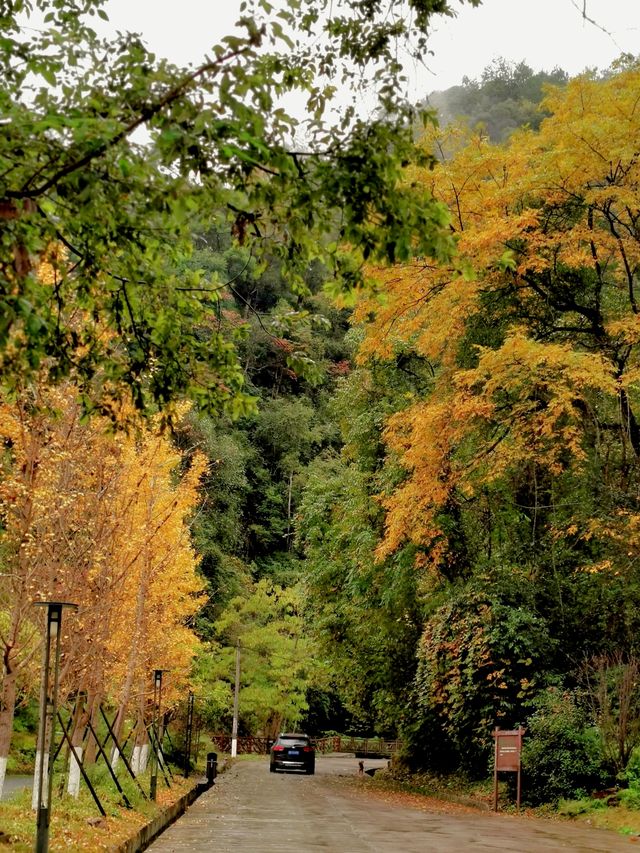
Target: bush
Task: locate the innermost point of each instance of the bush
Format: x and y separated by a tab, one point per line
630	797
481	659
561	755
632	770
573	808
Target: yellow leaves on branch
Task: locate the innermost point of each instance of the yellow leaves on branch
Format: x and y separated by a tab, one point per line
548	228
524	402
420	306
154	561
100	519
567	195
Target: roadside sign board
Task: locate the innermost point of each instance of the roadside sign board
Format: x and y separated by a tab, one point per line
508	746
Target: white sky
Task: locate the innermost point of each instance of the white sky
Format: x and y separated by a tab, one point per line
544	33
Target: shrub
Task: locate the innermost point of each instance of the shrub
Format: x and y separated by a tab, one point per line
561	755
630	797
481	660
573	808
632	771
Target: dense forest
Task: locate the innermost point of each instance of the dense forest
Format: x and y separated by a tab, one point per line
369	412
457	510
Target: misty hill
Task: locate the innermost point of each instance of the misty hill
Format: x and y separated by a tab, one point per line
506	96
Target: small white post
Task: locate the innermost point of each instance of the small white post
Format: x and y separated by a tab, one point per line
234	732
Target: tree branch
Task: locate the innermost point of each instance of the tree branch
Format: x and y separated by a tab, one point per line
146	114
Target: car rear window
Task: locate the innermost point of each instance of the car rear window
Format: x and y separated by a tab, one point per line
290	741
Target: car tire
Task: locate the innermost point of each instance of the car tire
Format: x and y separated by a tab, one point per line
311	771
272	769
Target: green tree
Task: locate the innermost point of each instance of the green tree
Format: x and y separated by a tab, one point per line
114	216
507	96
278	663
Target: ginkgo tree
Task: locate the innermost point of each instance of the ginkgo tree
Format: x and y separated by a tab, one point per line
100	519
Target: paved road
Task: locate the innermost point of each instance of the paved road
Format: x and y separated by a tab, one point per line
252	811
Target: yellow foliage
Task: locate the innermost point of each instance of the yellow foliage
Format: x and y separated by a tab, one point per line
559	204
102	520
546	387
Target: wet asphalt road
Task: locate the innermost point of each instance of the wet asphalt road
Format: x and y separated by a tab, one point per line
252	811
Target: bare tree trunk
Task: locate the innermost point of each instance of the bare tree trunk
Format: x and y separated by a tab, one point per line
92	746
289	501
132	660
141	742
40	749
81	717
7	708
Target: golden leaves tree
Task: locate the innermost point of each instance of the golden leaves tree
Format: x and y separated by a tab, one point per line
101	519
533	337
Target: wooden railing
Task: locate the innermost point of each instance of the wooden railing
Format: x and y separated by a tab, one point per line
246	745
339	743
359	745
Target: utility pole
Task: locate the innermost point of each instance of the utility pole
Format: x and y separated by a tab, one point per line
234	731
188	735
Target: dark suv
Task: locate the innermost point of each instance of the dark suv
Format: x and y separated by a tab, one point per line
293	752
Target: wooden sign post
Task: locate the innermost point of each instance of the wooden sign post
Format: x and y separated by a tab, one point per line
508	746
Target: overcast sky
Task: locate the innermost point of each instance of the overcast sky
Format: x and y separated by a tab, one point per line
544	33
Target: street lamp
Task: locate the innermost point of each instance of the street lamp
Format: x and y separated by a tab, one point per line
155	751
188	734
48	712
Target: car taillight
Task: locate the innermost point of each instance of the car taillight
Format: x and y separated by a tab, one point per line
308	749
278	748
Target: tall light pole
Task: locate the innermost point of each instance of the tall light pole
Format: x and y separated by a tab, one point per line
48	714
234	730
188	734
155	729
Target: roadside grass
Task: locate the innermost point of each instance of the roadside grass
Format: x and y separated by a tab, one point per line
455	789
76	824
621	814
23	752
619	817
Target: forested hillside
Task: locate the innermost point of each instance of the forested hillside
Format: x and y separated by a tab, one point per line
365	413
483	510
506	97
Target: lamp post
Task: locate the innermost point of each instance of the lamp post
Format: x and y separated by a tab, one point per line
155	757
48	713
188	734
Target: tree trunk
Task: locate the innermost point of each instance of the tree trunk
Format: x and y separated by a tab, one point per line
141	744
630	424
40	749
92	746
81	717
7	707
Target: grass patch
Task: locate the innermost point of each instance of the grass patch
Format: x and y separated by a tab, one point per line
574	808
620	819
76	824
